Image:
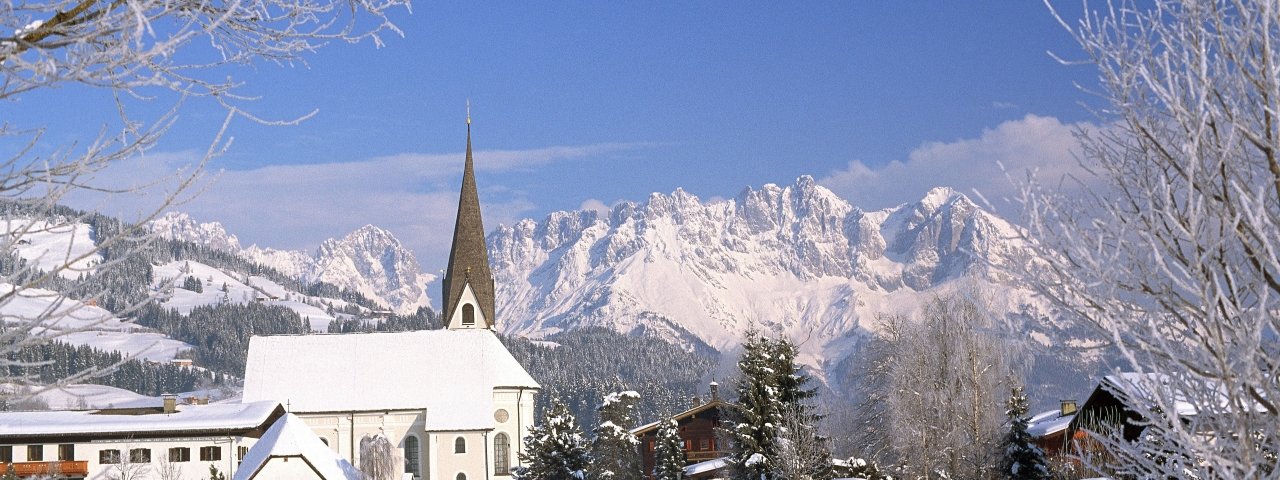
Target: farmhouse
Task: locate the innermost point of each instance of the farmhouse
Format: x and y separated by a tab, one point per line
128	442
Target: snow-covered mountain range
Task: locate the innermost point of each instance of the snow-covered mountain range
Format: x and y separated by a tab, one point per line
369	260
796	260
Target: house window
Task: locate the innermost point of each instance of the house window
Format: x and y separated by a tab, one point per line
6	454
468	314
704	443
412	452
66	452
210	454
35	453
179	454
460	445
501	454
241	452
140	455
108	457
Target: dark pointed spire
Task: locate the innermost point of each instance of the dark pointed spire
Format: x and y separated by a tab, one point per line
469	256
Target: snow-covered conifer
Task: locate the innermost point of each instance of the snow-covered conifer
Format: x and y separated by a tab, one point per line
614	450
771	396
1022	459
669	458
554	449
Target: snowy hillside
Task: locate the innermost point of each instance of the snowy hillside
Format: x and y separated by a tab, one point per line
218	286
796	260
369	260
48	245
79	324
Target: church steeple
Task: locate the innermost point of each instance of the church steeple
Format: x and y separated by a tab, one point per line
468	282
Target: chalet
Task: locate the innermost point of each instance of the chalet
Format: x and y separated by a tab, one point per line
698	427
124	442
1049	430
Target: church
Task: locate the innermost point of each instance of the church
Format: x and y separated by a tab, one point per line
454	401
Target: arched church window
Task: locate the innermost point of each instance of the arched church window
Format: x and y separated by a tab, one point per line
460	445
461	476
468	314
501	454
412	452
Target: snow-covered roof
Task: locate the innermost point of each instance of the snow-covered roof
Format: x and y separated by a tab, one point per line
714	403
1133	386
449	373
1048	422
188	418
707	466
291	437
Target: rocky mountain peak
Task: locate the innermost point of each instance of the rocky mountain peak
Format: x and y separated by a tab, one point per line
794	257
180	226
369	260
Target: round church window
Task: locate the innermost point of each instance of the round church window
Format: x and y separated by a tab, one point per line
501	415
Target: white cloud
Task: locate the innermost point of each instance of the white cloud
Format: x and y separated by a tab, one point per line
296	206
593	204
1041	144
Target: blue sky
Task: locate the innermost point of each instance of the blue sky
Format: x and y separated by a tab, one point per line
583	104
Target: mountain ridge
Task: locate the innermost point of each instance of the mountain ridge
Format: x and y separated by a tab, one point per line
796	260
369	260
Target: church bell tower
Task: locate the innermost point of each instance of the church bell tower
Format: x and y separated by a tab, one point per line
468	282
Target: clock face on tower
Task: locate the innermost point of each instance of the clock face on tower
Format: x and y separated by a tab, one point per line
501	415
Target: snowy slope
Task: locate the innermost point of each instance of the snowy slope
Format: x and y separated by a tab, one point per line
369	260
79	324
239	289
796	260
48	245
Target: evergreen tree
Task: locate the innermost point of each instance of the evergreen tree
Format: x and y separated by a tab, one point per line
554	448
614	449
772	419
1022	459
669	458
754	427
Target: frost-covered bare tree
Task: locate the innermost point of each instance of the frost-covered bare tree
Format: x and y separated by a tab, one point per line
1173	253
143	57
168	468
801	450
933	396
378	459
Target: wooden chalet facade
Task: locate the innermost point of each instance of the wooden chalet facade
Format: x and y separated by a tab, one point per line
698	430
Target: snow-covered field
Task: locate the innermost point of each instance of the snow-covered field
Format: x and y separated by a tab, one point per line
218	287
75	323
88	396
48	245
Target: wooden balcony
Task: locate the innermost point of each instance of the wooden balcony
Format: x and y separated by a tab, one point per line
29	469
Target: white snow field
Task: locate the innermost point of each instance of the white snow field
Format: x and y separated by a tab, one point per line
240	289
48	245
75	323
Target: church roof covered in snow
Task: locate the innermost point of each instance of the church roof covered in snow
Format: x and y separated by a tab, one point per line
290	437
450	374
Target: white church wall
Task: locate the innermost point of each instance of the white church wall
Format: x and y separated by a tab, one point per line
343	431
449	463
